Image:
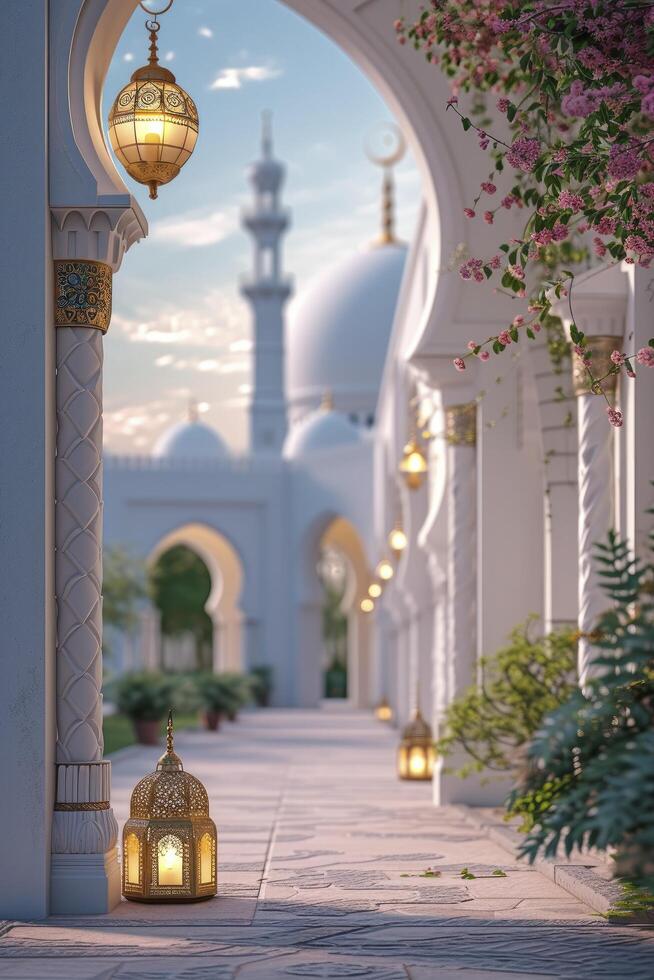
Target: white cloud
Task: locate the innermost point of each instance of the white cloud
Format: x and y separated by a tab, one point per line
195	230
232	78
128	56
242	346
214	322
205	32
169	55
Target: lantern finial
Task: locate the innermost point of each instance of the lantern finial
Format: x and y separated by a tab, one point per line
170	761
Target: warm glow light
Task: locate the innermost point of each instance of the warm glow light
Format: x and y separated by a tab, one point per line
367	605
417	762
385	570
413	464
383	711
132	857
374	590
397	540
169	859
206	860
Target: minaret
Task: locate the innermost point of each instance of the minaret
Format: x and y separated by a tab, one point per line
267	291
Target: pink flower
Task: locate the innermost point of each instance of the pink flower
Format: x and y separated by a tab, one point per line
615	417
503	104
504	337
469	213
459	363
472	345
624	162
453	100
518	320
645	356
484	355
647	105
630	373
517	271
599	248
571	201
495	262
560	156
488	187
488	217
617	357
536	326
524	153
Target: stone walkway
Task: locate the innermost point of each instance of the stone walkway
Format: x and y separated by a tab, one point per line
322	862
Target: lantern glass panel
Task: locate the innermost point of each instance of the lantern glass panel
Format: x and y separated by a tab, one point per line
133	860
170	861
206	860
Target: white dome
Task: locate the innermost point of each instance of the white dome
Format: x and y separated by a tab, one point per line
190	440
324	429
339	329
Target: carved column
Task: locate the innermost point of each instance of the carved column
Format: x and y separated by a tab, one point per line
595	468
88	245
459	669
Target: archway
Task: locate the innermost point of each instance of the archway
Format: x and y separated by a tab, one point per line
223	601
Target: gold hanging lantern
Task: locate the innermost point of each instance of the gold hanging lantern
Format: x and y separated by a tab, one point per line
397	540
415	754
153	123
169	841
413	464
383	711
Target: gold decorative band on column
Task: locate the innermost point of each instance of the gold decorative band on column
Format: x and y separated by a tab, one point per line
600	348
82	293
461	424
99	805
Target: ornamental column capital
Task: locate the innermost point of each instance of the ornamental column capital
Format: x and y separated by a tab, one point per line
461	424
99	234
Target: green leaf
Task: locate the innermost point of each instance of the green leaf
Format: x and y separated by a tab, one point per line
465	122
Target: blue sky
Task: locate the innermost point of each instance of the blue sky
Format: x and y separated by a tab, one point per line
179	328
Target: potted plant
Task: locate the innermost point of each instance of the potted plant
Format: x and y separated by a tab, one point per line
144	698
216	698
239	691
261	684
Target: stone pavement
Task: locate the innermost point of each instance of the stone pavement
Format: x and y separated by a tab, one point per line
322	862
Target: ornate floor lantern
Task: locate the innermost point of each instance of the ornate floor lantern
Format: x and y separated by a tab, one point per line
383	711
169	841
153	123
415	755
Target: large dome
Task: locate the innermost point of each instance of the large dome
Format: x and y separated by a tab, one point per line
190	440
339	329
324	429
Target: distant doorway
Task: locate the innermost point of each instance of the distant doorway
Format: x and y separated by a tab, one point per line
181	585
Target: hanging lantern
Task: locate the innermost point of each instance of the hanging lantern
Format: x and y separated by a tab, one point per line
169	841
153	123
415	755
397	540
374	590
367	605
383	711
413	464
385	570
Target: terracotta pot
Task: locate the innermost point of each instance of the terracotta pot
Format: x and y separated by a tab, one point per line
212	720
147	732
231	715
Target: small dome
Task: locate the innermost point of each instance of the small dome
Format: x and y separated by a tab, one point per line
163	794
339	329
190	440
324	429
417	729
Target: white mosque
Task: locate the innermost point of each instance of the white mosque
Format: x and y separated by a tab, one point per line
261	521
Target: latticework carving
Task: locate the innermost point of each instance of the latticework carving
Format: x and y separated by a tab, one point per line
169	794
78	561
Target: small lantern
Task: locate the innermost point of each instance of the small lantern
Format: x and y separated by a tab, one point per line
383	711
385	570
367	605
153	123
415	755
169	841
374	590
397	540
413	464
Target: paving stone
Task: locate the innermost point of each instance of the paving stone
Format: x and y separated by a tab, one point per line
320	875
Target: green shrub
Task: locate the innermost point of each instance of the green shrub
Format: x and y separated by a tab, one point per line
145	696
590	777
261	683
521	683
223	693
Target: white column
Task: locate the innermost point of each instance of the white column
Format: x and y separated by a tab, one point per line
87	247
459	667
596	478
